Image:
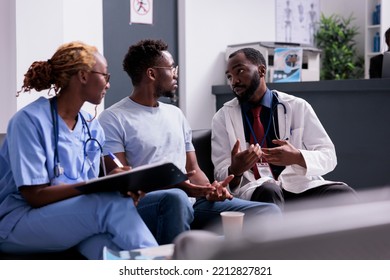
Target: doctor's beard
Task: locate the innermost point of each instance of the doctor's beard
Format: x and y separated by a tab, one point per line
246	95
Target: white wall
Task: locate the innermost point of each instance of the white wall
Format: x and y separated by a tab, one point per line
8	62
345	8
83	21
39	31
33	30
205	29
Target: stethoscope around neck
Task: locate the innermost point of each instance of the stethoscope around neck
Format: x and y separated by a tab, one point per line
58	169
274	107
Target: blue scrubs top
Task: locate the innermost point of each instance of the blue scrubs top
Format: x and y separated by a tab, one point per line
27	156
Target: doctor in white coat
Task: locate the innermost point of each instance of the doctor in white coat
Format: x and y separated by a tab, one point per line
292	156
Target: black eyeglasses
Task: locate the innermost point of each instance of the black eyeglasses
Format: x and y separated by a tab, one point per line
174	69
106	75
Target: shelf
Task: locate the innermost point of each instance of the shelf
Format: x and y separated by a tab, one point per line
371	29
376	26
371	54
330	87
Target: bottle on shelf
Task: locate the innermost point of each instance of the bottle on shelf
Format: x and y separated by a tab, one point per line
377	40
374	17
378	13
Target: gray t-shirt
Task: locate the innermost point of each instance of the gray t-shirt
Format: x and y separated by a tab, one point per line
147	134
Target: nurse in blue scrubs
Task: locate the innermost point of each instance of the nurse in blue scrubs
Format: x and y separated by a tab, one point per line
52	146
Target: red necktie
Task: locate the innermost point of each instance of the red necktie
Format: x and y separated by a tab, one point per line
258	128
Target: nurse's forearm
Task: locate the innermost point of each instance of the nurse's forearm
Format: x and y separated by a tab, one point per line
41	195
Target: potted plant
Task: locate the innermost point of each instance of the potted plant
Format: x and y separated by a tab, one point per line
339	58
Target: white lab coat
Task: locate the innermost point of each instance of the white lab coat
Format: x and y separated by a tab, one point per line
302	128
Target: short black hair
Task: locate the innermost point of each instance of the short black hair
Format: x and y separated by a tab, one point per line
387	37
252	55
141	56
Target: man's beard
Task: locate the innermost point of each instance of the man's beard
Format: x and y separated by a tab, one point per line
165	93
169	94
246	95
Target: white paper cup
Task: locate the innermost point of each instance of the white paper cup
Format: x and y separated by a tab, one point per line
232	223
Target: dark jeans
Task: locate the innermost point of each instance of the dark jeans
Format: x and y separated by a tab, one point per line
207	213
167	213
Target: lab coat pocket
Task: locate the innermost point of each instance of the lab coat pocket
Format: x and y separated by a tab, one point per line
296	136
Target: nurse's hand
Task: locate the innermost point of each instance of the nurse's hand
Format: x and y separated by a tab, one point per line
136	196
284	155
119	170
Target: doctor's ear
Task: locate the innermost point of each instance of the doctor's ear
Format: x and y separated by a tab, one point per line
262	70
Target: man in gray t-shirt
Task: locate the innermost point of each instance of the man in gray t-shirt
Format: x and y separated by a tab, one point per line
141	130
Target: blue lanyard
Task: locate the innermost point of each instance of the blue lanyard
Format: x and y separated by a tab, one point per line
253	132
54	115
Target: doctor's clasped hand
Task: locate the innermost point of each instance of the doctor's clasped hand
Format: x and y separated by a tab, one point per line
283	155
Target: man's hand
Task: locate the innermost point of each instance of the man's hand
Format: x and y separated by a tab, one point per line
284	155
194	190
243	161
214	192
221	192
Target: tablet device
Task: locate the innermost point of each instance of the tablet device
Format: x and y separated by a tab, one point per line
146	178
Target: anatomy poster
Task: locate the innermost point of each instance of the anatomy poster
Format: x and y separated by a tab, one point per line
297	20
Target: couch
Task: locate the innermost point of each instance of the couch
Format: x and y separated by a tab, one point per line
202	143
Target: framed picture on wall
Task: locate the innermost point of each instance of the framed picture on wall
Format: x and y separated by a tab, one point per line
297	21
287	65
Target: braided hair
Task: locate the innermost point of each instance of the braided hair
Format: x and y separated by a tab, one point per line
57	71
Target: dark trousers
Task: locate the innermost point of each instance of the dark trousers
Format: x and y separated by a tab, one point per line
326	195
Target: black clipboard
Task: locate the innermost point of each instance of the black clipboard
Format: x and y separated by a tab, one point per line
146	178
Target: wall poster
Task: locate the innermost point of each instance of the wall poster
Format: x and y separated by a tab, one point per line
287	65
297	20
141	11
